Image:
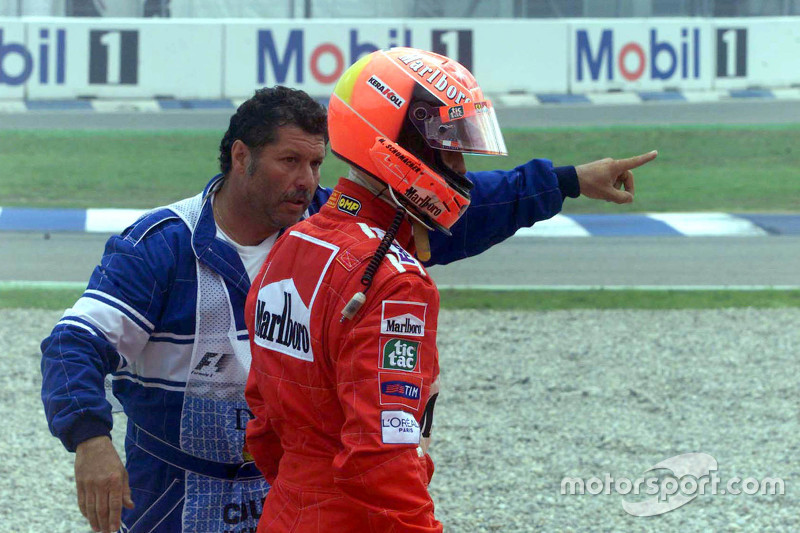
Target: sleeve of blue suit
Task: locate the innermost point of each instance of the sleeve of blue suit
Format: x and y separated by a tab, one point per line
504	201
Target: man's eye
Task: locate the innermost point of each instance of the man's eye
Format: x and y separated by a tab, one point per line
290	159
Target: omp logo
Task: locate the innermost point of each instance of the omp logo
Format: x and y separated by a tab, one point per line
386	91
212	363
348	205
399	354
285	331
403	318
426	202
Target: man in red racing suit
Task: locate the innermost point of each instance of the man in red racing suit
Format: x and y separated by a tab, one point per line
340	404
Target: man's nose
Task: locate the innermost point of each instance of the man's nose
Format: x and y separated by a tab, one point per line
308	177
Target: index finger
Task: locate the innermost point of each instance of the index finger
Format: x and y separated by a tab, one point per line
114	507
637	161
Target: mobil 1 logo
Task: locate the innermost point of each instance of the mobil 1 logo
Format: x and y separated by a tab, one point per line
456	44
399	354
731	52
113	57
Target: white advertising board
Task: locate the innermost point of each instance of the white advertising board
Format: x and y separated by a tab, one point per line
53	58
640	55
757	52
124	58
311	55
18	63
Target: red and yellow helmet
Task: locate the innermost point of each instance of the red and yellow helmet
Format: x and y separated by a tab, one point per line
394	110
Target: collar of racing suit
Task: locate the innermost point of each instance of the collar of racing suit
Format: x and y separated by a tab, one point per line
352	201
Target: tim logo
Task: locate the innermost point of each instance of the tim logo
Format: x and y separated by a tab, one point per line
401	389
113	57
212	363
731	52
453	43
406	391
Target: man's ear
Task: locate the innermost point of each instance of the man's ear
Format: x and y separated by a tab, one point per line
240	157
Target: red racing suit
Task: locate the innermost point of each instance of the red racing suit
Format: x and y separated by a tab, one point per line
340	405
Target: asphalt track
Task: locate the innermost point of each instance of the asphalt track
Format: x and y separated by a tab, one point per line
606	261
553	262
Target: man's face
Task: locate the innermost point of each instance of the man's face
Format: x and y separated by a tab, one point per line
454	160
280	178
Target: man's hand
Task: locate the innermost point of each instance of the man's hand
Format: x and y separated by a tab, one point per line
604	179
102	483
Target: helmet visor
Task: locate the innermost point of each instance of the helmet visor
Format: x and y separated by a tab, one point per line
470	128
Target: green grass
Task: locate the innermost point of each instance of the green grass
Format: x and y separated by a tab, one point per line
735	169
38	298
543	300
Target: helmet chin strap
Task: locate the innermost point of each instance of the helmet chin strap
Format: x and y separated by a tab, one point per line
421	241
380	190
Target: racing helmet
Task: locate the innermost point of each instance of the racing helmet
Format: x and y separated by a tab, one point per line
393	111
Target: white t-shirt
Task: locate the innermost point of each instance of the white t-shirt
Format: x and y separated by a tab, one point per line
252	256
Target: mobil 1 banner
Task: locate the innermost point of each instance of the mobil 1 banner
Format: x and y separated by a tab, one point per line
312	55
129	59
505	56
642	55
756	52
19	63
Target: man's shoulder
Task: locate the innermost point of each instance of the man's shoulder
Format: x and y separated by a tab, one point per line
162	219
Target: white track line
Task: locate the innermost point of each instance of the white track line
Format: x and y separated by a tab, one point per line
43	285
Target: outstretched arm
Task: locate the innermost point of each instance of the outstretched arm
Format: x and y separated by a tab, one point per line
505	201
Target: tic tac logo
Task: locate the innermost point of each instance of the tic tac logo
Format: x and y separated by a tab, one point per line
403	318
113	57
384	90
348	205
48	59
399	427
634	60
399	354
731	52
455	112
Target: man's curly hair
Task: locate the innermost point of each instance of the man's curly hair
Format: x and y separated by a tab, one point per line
257	120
